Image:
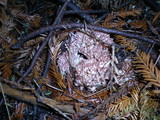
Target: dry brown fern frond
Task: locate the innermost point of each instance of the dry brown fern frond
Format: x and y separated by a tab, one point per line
23	57
125	43
34	20
145	104
127	13
139	25
147	68
118	106
139	106
6	70
122	14
143	62
58	77
120	20
54	69
34	41
109	18
37	68
6	25
115	24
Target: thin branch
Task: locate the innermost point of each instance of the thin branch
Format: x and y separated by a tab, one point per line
47	65
57	21
35	58
1	89
84	11
80	25
73	6
60	15
101	17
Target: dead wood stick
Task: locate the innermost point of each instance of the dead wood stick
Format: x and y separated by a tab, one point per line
29	97
57	20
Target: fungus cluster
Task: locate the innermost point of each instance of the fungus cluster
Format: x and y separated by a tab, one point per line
89	56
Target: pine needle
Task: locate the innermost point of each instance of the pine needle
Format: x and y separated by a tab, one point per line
9	116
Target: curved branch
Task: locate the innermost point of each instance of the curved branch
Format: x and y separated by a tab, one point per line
80	25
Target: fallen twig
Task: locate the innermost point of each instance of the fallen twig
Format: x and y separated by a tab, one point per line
73	6
84	11
48	61
30	98
57	20
80	25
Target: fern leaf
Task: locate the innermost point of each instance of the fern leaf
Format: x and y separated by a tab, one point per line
54	69
115	24
118	106
34	20
126	43
37	70
135	94
146	67
143	62
6	70
125	13
33	41
59	79
139	24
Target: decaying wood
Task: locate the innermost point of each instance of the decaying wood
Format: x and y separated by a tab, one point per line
29	97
